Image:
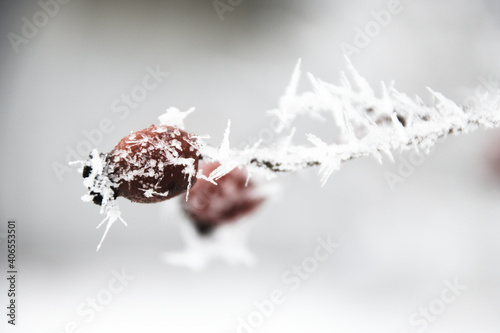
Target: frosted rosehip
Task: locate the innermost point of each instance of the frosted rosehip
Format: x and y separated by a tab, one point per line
154	164
147	166
209	205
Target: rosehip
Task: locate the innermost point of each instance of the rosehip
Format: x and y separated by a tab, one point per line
210	205
154	164
147	166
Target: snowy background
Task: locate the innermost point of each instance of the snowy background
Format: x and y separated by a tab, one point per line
397	248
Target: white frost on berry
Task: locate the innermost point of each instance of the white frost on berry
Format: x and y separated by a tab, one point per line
141	164
150	192
189	170
113	214
200	175
97	180
98	183
174	117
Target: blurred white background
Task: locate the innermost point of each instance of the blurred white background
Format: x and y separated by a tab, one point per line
397	247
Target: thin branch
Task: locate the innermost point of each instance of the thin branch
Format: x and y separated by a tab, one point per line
368	126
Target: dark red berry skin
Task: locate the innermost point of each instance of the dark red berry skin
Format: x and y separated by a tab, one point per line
210	205
153	164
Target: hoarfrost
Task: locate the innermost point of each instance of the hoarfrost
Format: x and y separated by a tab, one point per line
368	125
174	117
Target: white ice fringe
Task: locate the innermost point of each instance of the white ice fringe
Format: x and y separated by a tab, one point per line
368	125
113	214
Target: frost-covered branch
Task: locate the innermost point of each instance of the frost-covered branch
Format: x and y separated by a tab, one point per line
369	125
160	162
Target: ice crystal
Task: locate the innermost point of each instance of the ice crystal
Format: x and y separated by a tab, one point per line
368	125
174	117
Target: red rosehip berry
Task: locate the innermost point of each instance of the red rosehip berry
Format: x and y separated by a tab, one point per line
147	166
154	164
210	205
